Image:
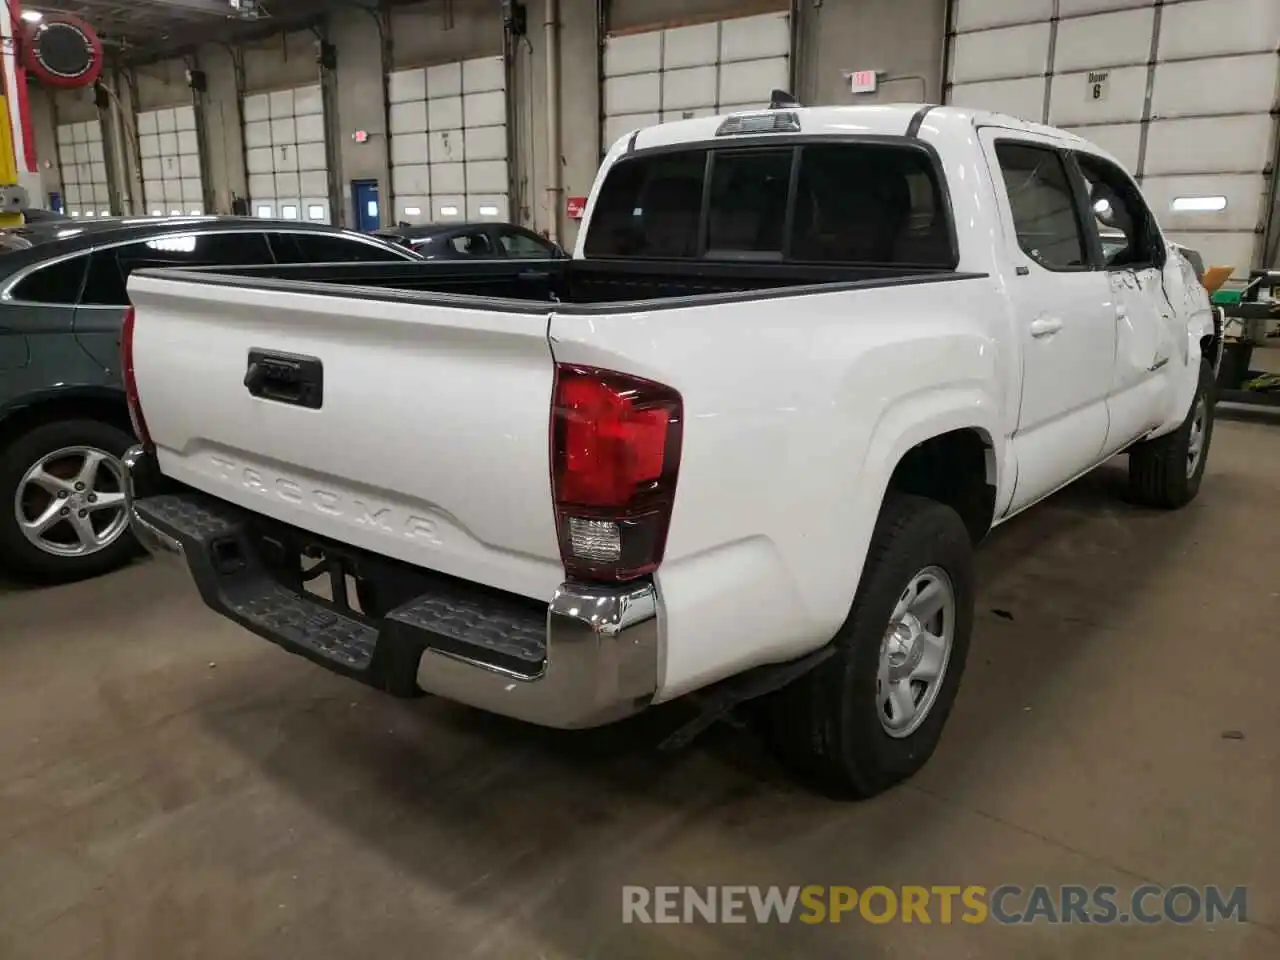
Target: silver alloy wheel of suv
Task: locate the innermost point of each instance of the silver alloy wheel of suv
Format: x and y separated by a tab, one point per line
71	502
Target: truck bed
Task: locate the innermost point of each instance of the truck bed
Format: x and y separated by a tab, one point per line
580	285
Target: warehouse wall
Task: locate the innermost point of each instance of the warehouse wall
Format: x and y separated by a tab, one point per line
360	93
285	60
40	102
224	132
903	38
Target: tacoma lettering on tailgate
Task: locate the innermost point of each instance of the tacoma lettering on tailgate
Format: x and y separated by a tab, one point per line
358	511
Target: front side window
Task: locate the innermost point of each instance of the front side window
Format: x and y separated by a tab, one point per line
57	283
1120	218
1045	217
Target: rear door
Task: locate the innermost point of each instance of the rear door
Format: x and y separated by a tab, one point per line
104	298
1063	314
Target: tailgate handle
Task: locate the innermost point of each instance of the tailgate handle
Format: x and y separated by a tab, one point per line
285	378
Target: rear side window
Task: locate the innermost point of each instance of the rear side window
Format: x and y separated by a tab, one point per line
327	248
57	283
1045	217
846	203
109	269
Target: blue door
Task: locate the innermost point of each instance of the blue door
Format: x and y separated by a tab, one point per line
364	197
55	202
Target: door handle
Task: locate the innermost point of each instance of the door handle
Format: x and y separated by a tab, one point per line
1045	326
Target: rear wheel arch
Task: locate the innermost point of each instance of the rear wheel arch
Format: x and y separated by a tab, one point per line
957	468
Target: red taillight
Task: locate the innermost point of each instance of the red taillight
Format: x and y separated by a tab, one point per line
615	451
131	380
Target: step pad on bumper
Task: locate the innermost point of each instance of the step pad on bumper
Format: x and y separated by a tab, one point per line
223	546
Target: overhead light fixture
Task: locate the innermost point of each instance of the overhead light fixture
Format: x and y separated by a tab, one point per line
1199	204
32	16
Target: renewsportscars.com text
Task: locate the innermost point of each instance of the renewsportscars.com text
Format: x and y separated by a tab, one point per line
1006	904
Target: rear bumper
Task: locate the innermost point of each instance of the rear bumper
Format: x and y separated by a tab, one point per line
588	657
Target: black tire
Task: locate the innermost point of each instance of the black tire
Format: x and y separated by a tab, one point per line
21	558
1158	469
827	725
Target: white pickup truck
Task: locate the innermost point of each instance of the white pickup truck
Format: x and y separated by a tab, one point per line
742	443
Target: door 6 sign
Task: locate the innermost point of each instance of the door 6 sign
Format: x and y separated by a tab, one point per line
1098	82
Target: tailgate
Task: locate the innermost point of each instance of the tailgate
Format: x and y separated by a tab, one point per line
429	443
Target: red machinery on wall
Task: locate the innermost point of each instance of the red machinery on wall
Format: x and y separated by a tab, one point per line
57	49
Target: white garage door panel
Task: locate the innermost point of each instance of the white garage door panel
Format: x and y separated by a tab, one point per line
1205	87
1070	104
1237	26
285	140
1227	144
635	93
1108	40
1121	140
755	38
1018	98
1001	54
634	53
411	179
484	109
444	113
171	177
1220	249
691	46
448	126
486	143
980	14
257	134
486	176
488	207
406	85
704	69
444	80
692	87
753	81
409	117
1243	193
408	149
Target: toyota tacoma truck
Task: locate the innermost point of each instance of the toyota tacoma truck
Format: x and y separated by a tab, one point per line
739	446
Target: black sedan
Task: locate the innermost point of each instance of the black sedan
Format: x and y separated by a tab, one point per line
63	418
471	241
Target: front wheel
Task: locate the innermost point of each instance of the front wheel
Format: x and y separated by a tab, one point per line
872	714
1166	472
62	502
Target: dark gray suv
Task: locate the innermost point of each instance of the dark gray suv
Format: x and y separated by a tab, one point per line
63	420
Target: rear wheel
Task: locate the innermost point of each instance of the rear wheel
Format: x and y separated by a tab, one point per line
872	714
62	502
1167	471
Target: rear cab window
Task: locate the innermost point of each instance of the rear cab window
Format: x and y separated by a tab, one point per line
874	203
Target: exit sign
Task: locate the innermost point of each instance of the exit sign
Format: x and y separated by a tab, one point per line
863	81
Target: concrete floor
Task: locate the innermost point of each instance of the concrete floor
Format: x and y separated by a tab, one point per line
172	787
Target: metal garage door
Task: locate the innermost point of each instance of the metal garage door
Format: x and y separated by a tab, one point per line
84	169
1182	93
695	71
285	154
449	142
170	155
